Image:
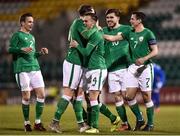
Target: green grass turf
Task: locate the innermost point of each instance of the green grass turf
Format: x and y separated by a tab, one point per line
167	121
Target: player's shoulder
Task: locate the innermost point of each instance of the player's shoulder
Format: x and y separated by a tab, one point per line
126	26
16	34
148	30
77	21
105	28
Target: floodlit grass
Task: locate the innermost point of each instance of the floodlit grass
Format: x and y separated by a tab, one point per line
167	121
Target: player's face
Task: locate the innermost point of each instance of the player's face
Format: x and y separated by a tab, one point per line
112	20
28	24
88	21
134	21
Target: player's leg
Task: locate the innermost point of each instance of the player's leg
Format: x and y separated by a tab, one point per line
37	84
96	83
121	110
132	86
146	86
134	108
95	111
149	110
23	82
86	95
78	109
71	77
115	81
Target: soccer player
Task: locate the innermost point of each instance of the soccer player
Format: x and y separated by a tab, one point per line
117	60
72	72
159	81
97	71
27	70
143	48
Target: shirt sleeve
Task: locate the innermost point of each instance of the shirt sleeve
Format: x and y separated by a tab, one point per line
125	34
151	39
14	49
86	51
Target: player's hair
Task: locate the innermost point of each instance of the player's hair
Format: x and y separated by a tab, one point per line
139	15
83	9
117	12
92	15
24	16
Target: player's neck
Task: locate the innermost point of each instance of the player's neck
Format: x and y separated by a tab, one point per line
24	30
116	26
139	28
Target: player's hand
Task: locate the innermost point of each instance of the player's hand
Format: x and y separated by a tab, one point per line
140	61
26	49
73	43
44	51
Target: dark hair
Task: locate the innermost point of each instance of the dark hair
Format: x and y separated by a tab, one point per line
117	12
83	9
92	15
139	15
24	16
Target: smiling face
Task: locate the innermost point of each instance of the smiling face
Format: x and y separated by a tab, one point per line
27	25
112	20
134	21
88	21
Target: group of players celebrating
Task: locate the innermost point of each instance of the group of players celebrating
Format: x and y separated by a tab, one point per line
120	54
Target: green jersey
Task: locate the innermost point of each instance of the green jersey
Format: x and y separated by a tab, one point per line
23	62
140	43
80	33
117	53
94	51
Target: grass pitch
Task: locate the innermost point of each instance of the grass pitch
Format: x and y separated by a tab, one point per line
166	122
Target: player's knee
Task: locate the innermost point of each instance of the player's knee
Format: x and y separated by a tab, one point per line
128	98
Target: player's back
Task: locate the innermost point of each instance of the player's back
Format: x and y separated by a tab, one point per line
80	33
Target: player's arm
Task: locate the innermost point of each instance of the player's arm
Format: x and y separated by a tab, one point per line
84	51
152	43
153	53
113	38
14	49
43	51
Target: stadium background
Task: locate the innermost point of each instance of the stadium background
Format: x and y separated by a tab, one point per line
52	21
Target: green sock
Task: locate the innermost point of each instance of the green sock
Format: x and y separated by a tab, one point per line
135	109
84	115
61	107
105	111
89	109
95	116
150	115
121	110
77	106
25	109
39	109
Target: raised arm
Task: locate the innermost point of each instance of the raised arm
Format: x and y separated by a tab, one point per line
113	38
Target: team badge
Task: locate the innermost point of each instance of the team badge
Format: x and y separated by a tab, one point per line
141	38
